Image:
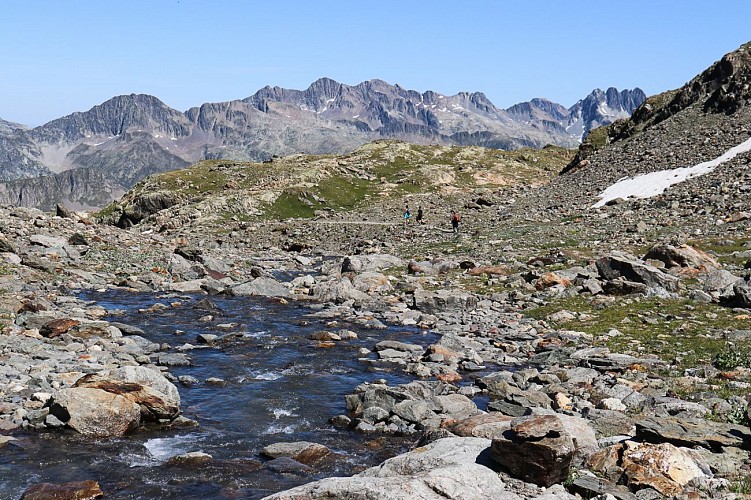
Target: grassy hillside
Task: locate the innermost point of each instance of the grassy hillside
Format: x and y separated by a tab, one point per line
303	186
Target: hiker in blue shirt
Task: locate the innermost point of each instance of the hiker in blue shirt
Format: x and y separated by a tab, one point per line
407	214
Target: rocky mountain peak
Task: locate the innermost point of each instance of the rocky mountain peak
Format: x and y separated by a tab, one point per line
7	127
602	108
324	88
114	117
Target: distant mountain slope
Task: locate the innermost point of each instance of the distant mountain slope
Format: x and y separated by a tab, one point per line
77	189
597	109
129	137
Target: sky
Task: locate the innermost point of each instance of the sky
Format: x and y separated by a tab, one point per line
63	56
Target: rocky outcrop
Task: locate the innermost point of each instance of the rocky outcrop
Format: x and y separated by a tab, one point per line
451	468
135	209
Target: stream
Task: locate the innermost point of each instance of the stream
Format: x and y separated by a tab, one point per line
277	386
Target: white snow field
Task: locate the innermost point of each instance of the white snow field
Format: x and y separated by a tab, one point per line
654	183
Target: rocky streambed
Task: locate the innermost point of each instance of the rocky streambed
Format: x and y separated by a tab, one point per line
507	379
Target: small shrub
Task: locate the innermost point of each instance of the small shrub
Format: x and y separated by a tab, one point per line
737	415
730	358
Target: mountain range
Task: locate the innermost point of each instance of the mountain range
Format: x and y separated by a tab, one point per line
128	137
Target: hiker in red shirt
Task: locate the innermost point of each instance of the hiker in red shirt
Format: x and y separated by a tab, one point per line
455	221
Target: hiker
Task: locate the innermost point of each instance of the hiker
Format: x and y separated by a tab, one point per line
419	215
407	214
455	221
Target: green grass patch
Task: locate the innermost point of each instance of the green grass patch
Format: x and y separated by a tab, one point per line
741	487
598	137
681	332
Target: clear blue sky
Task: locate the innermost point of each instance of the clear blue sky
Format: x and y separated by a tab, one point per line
62	56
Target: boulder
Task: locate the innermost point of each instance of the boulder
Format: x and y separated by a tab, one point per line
371	282
190	459
442	301
338	291
371	262
683	256
430	268
719	284
625	266
6	246
154	405
594	487
541	448
95	412
535	449
741	296
301	451
663	467
144	205
78	490
189	286
46	241
263	286
77	239
324	336
486	425
57	327
449	468
548	280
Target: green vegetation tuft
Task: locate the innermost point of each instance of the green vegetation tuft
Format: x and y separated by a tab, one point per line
741	487
598	137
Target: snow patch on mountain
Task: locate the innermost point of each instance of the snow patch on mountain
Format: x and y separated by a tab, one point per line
654	183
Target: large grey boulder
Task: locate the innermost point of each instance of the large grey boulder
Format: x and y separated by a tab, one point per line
263	286
442	301
450	468
741	296
95	412
719	284
371	282
373	262
620	265
338	291
150	377
154	405
682	256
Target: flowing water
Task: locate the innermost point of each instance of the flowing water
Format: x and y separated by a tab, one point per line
278	386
